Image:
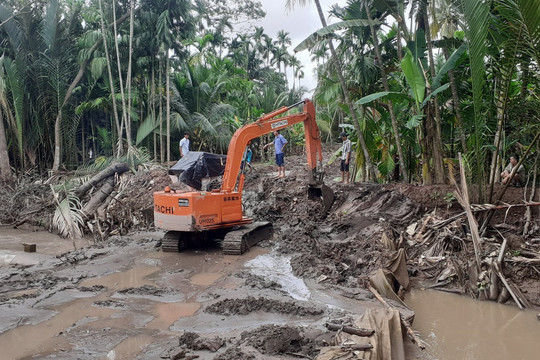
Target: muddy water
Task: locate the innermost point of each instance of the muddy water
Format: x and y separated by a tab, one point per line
167	313
279	269
457	327
43	338
46	242
131	322
122	280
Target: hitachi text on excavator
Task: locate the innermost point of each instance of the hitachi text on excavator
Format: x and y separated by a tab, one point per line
190	217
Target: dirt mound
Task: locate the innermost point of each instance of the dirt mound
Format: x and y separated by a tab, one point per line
193	341
257	282
275	340
94	288
343	244
147	290
112	304
235	353
252	304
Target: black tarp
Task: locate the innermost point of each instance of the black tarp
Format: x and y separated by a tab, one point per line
196	165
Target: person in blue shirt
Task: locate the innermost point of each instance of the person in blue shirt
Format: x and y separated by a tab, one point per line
247	158
279	144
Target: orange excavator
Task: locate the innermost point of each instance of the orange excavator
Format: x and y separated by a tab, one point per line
191	217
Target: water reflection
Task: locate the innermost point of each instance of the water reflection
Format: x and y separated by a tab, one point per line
458	327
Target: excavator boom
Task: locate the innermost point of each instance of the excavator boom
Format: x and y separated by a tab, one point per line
266	124
191	216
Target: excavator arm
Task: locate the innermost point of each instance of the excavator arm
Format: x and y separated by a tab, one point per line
266	124
190	217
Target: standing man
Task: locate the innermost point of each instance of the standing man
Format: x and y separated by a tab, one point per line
345	157
184	145
248	155
279	143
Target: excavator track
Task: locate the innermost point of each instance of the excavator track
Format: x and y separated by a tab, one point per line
173	241
237	242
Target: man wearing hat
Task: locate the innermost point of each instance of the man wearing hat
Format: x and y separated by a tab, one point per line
345	157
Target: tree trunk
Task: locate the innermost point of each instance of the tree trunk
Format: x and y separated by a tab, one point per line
161	149
57	141
395	127
114	168
457	105
153	106
120	79
99	197
119	146
5	167
438	155
83	143
338	67
128	76
168	108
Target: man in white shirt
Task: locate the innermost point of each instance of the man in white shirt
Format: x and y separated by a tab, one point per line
184	145
345	157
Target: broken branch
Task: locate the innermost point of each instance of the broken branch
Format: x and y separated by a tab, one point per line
350	329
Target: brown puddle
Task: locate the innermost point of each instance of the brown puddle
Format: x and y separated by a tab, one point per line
168	313
205	279
43	338
46	242
458	327
131	278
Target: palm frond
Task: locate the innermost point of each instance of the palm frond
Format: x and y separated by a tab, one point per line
49	28
476	15
525	15
328	32
68	216
146	128
448	65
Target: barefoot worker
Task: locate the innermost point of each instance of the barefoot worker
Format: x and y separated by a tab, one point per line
345	157
279	143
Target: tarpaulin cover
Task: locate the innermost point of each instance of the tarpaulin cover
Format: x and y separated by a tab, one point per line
196	165
387	340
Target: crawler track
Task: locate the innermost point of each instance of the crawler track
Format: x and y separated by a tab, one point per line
237	242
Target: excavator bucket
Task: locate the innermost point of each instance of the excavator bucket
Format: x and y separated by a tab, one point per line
322	192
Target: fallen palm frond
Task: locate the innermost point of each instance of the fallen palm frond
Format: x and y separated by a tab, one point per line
68	217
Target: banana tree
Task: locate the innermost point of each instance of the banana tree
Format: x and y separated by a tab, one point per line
416	95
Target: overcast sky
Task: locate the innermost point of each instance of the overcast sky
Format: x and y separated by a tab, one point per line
300	22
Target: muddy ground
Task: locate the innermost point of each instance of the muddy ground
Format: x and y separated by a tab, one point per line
119	297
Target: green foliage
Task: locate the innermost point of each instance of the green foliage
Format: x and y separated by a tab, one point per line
449	65
414	76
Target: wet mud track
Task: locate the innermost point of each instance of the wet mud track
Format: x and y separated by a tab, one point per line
127	300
